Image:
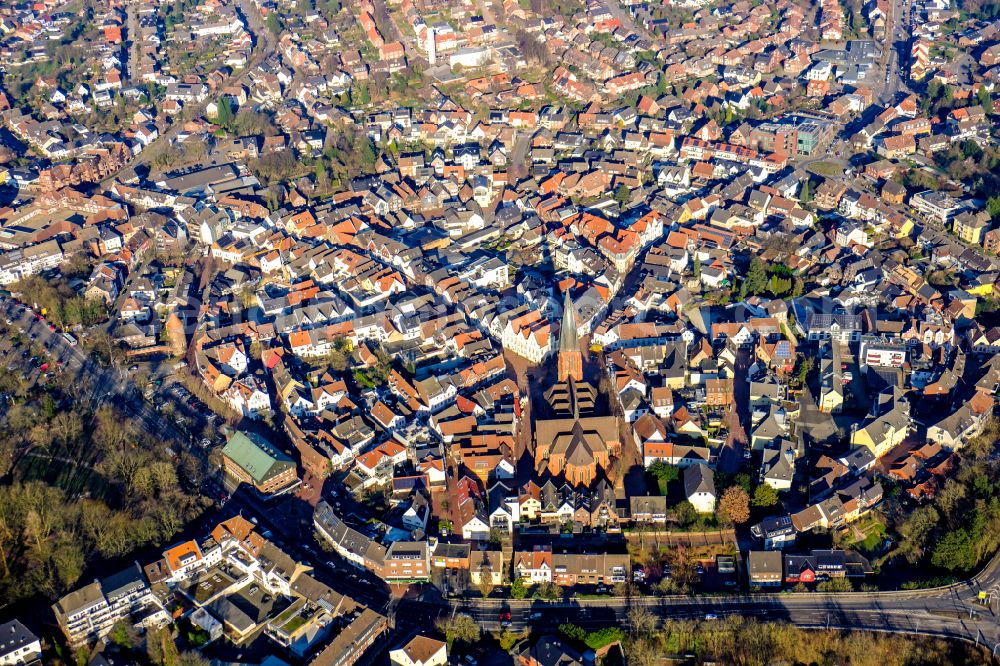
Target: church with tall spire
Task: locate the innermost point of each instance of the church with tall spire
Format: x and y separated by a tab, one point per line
578	438
570	359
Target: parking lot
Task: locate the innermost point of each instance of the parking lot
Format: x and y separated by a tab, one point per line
189	410
33	355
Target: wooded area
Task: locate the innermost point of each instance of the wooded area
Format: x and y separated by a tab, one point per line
960	529
78	486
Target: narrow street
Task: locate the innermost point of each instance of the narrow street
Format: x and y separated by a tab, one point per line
132	38
738	420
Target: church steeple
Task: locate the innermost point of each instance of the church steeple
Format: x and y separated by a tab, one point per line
570	364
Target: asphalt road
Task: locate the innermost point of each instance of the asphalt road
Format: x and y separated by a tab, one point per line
952	611
897	38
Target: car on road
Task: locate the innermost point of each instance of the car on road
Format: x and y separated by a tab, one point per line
711	616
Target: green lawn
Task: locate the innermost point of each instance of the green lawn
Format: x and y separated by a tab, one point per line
874	531
827	169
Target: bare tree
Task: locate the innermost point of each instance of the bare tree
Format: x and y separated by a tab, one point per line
641	621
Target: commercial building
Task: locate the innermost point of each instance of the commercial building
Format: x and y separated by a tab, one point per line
407	562
796	137
251	459
936	206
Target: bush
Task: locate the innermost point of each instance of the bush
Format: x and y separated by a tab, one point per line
835	585
548	591
603	637
572	632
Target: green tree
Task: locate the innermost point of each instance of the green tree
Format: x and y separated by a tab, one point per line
120	635
663	472
363	97
508	639
548	591
756	279
798	286
365	153
518	589
984	99
623	194
835	585
161	648
322	175
573	633
603	637
993	206
806	195
224	114
684	513
955	551
273	23
461	628
916	531
805	367
765	496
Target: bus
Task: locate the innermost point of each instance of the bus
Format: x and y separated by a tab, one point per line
70	339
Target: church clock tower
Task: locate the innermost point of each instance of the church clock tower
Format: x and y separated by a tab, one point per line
570	363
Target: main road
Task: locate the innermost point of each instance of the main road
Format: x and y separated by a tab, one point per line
954	611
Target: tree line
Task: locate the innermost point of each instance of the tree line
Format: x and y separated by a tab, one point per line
744	641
